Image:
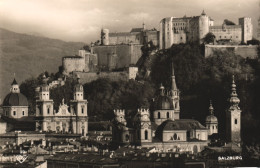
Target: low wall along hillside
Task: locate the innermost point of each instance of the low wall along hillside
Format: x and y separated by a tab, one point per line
242	50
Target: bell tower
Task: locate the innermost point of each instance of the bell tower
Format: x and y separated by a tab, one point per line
44	107
143	126
78	108
233	116
175	95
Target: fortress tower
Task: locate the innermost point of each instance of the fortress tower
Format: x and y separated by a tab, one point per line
104	36
233	117
204	23
247	28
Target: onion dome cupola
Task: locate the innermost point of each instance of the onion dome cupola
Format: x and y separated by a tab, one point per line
78	90
44	87
203	13
234	100
15	98
211	118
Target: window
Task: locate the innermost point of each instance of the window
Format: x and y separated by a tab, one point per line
213	127
159	115
6	113
235	121
82	110
145	134
168	115
48	110
219	36
14	113
23	113
175	136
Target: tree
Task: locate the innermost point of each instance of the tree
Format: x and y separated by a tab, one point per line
228	22
209	38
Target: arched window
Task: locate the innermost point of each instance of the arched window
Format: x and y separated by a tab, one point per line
175	136
23	113
82	110
48	110
168	115
159	115
145	134
235	121
213	127
14	113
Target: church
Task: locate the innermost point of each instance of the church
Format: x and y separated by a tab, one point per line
68	119
163	129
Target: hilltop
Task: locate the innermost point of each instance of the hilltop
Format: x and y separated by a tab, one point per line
28	56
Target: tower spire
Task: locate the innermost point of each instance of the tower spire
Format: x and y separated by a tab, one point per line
211	109
173	85
234	100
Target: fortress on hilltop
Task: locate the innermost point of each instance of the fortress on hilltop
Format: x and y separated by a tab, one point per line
193	29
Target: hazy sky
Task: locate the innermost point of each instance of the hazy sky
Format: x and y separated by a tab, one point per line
81	20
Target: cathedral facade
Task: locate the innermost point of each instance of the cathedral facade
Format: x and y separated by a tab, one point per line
68	119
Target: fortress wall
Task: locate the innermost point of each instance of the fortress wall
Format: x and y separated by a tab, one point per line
73	64
153	36
179	38
124	38
235	34
126	54
86	77
244	51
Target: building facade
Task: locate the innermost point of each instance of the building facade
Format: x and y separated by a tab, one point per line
193	29
73	121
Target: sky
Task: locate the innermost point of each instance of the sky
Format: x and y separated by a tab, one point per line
82	20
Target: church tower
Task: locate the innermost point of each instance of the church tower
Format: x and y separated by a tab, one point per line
78	108
211	121
44	107
233	116
143	126
175	95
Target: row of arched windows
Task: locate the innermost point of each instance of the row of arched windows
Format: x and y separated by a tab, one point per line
159	115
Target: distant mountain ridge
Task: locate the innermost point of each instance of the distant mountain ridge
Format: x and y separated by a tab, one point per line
28	56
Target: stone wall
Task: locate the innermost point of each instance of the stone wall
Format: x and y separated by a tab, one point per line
73	63
242	50
126	54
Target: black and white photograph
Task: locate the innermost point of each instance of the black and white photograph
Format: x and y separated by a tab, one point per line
129	83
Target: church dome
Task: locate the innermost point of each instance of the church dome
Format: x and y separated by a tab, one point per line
15	99
163	103
211	119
